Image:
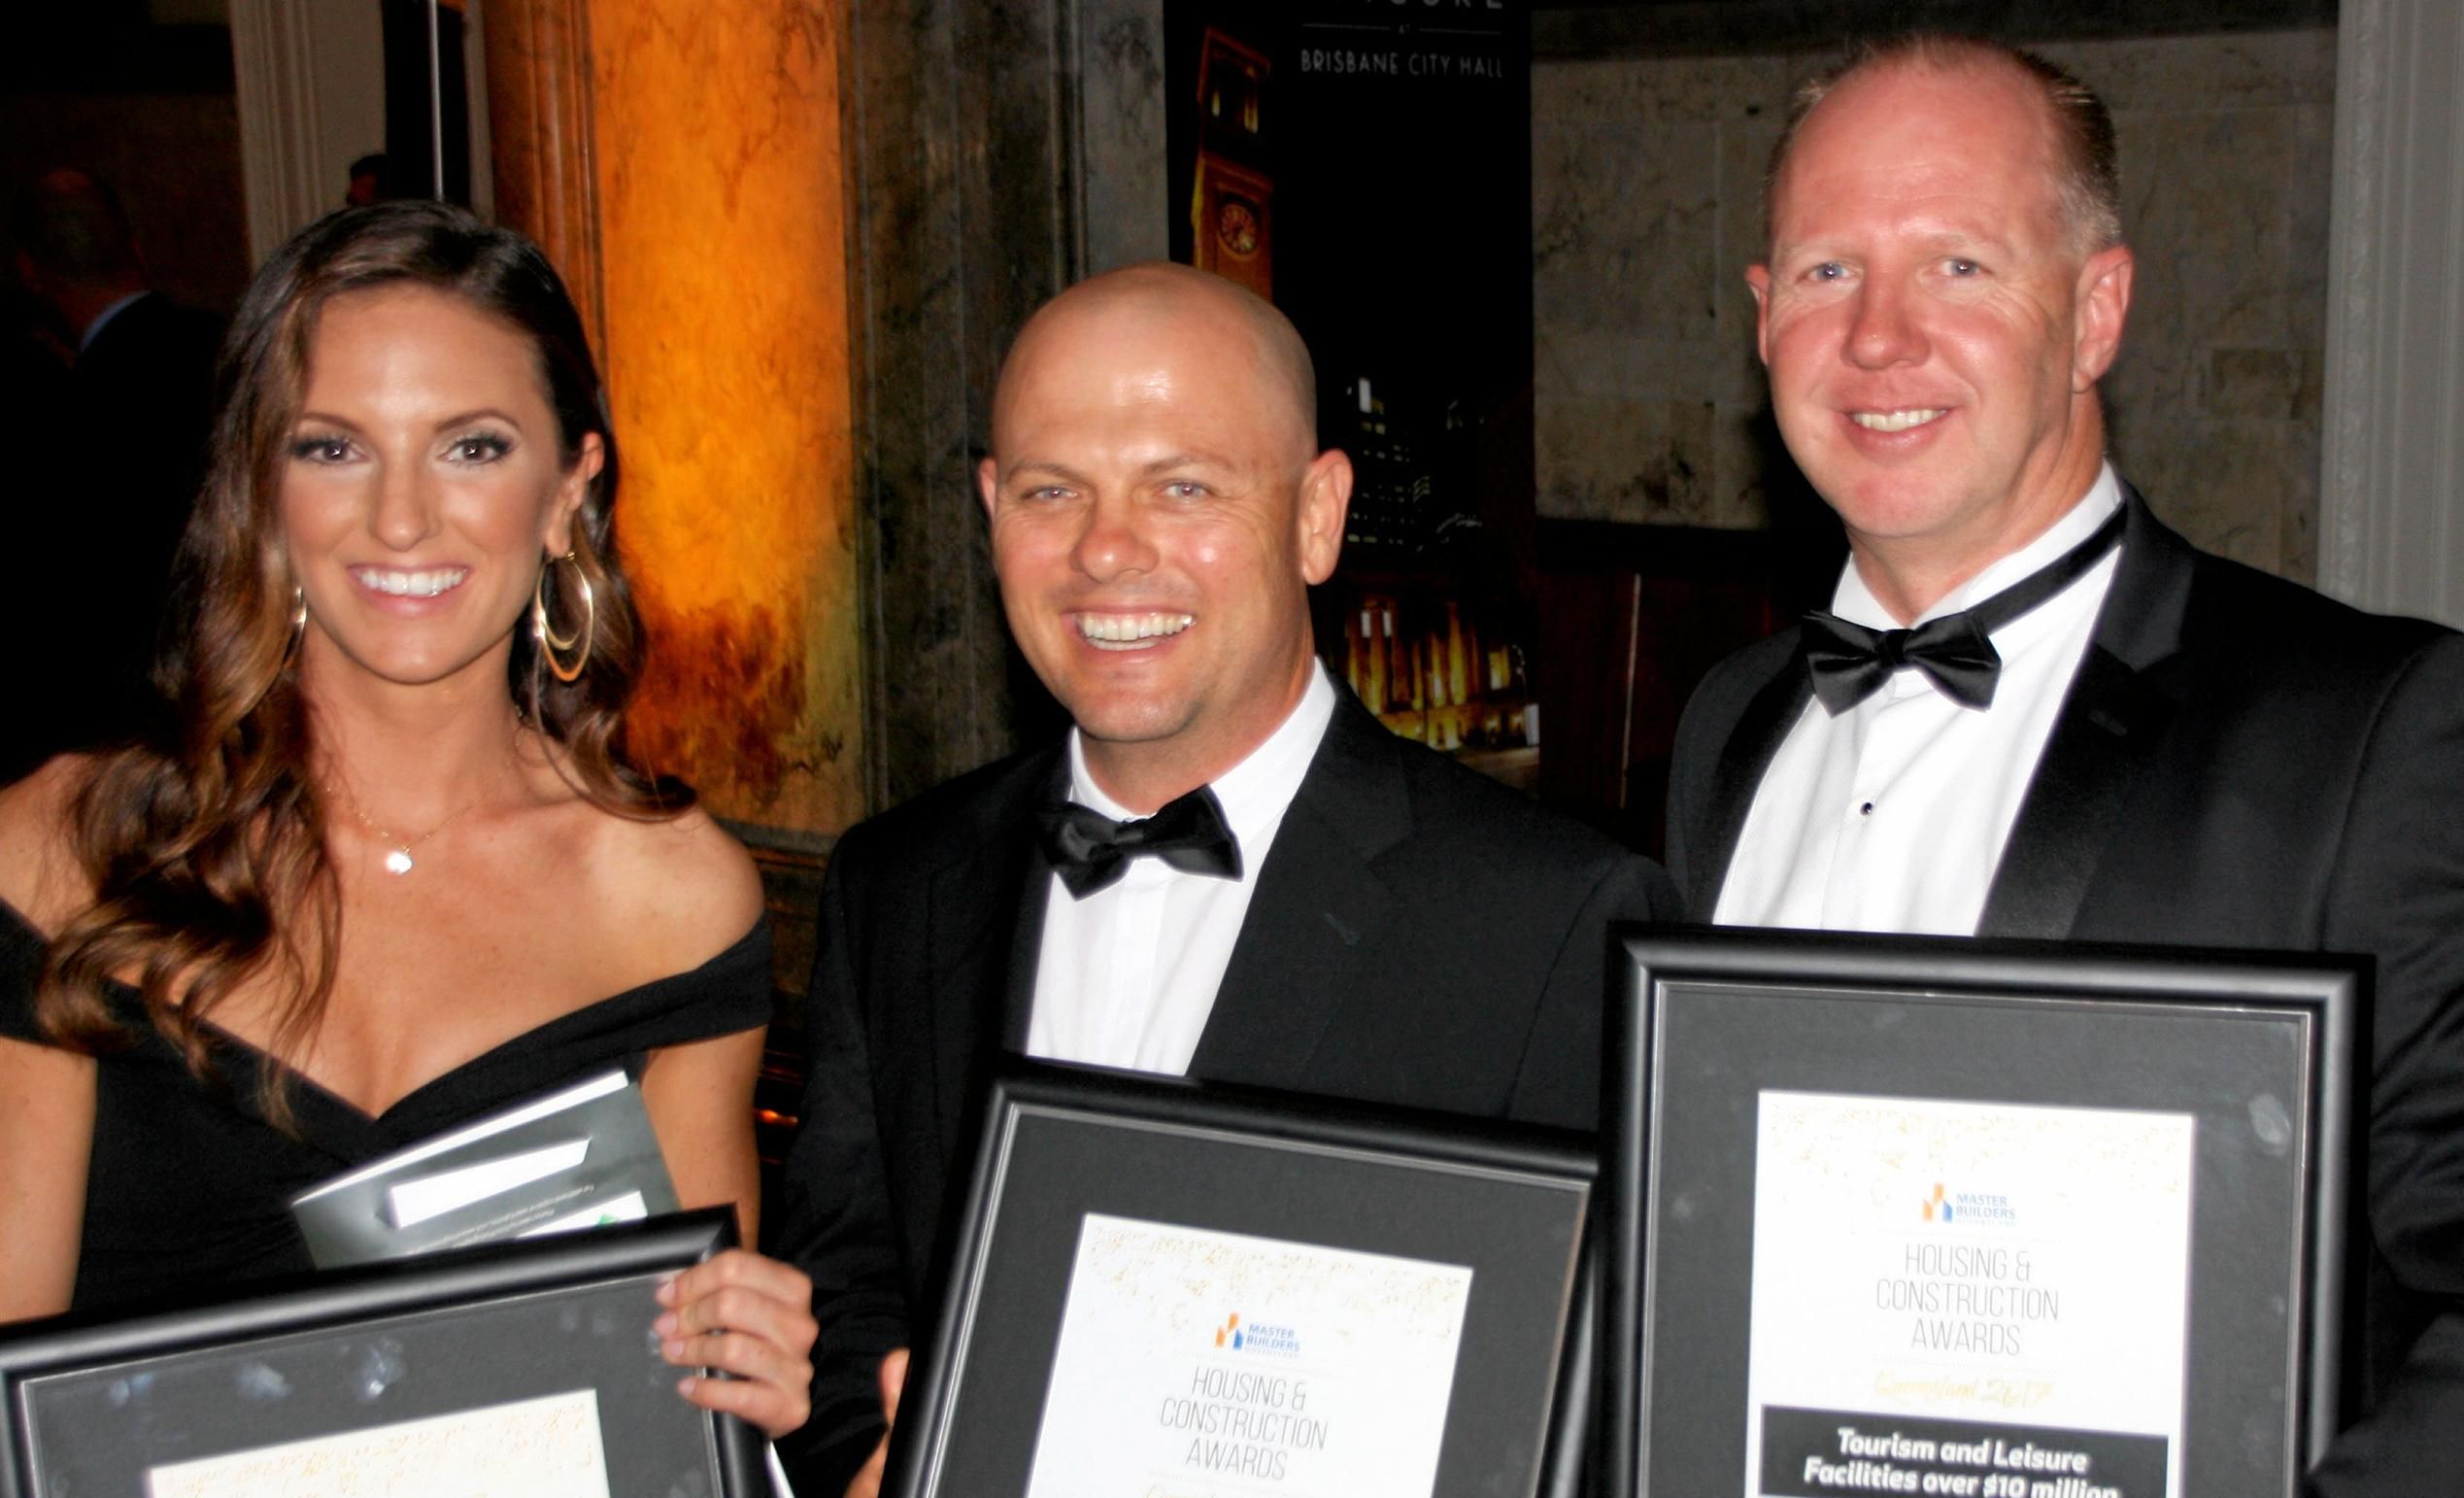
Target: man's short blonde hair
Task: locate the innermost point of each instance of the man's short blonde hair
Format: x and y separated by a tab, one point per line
2090	184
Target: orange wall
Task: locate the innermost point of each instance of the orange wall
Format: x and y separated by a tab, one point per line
723	268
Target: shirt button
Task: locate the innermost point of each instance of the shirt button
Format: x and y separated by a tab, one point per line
1866	810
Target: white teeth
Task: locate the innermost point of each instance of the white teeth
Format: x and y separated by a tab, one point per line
1129	632
1894	420
410	585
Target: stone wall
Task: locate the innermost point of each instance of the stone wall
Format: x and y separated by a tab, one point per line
1646	174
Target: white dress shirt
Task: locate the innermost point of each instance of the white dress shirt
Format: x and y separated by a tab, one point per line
1126	976
1892	816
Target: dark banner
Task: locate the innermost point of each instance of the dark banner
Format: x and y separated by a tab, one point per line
1823	1453
1365	165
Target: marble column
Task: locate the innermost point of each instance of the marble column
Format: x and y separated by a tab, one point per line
723	265
994	151
538	86
2394	468
1006	148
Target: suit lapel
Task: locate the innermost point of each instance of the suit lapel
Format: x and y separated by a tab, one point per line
1016	1005
1318	910
2063	827
1760	729
985	923
2108	724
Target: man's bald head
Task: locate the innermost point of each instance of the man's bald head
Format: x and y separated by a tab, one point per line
1161	298
1159	512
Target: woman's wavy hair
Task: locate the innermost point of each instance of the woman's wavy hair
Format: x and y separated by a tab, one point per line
203	837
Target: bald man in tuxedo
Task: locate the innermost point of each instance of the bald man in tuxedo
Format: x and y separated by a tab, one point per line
1228	869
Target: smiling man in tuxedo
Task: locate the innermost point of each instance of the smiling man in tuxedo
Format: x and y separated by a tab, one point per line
2033	709
1228	869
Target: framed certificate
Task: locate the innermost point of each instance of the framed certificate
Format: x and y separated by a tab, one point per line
525	1369
1995	1219
1165	1288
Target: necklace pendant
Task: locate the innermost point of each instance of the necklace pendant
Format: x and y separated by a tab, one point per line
399	862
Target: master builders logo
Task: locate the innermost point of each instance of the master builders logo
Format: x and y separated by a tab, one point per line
1969	1208
1257	1337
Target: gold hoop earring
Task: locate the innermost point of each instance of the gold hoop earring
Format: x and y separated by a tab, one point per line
299	623
545	634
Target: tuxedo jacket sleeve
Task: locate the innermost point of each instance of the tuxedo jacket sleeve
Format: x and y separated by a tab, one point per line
833	1220
920	910
2238	762
1418	936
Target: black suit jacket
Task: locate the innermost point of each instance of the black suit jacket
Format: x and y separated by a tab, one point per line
2239	763
1418	936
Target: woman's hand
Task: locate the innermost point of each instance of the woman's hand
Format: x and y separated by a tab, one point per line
743	1315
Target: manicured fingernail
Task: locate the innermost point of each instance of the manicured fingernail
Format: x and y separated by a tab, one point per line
672	1349
665	1325
685	1385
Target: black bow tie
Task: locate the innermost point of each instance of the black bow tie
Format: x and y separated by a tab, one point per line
1849	662
1090	850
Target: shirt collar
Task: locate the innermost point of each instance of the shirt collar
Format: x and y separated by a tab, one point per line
1255	791
1856	603
102	320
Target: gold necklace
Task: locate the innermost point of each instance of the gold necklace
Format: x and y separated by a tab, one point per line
397	857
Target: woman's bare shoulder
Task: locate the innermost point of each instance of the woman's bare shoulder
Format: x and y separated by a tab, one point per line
39	870
682	885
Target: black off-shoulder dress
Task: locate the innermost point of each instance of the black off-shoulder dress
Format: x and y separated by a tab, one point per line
188	1185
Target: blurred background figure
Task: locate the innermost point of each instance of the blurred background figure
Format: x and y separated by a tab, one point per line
33	402
371	180
122	450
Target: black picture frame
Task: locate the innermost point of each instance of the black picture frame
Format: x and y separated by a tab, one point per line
90	1405
1058	1142
1708	1020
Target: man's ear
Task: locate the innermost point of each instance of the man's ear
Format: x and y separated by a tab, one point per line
2100	308
1326	499
1757	282
571	490
988	485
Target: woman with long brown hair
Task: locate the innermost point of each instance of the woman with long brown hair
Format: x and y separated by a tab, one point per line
383	864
